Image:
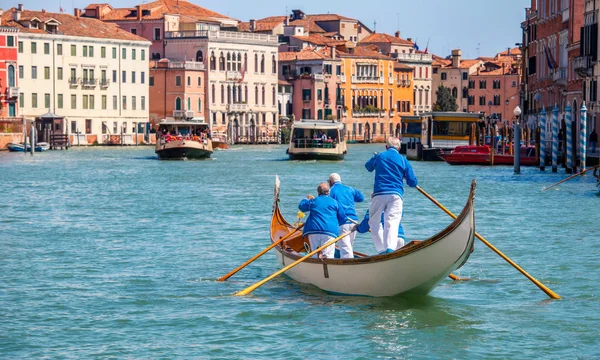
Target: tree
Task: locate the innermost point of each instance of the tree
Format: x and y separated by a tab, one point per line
445	100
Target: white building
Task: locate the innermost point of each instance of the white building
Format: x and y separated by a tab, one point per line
90	72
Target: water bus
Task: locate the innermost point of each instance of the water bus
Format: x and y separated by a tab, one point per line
317	140
183	139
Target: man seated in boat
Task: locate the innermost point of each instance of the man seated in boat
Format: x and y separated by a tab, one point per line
322	225
391	169
347	197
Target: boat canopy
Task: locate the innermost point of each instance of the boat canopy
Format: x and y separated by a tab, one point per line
318	124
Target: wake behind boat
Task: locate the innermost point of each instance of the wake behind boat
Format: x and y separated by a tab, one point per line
417	268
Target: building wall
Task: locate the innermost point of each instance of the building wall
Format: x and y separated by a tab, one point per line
8	58
146	30
115	116
509	90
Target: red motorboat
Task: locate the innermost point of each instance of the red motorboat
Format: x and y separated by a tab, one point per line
480	155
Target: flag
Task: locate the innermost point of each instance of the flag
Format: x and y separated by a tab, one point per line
427	47
61	10
416	47
551	62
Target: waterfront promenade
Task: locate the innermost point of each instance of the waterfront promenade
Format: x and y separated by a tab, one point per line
110	253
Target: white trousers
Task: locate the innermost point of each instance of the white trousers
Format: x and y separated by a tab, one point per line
386	237
347	242
318	240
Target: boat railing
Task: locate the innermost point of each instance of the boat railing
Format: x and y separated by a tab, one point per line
314	144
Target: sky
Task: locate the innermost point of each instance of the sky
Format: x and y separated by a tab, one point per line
477	27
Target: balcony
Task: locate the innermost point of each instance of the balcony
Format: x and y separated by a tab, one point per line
222	36
306	99
415	57
318	77
391	81
239	107
89	83
187	65
233	76
187	114
583	65
74	82
404	83
366	79
560	76
104	83
343	78
12	92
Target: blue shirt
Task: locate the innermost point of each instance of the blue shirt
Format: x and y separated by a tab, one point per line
326	215
346	196
363	227
391	169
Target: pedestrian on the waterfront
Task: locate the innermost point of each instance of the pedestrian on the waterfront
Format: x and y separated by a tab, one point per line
323	223
593	140
391	169
347	197
363	227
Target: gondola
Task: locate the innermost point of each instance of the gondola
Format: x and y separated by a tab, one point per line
417	268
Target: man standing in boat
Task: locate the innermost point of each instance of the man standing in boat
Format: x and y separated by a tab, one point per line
391	169
346	196
323	223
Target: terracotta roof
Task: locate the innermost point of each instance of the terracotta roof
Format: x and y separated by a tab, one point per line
318	39
328	17
259	26
309	25
365	52
485	58
465	64
378	38
93	6
440	61
402	67
308	53
283	82
71	26
161	7
513	52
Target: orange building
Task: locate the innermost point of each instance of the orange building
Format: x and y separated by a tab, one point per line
377	91
177	90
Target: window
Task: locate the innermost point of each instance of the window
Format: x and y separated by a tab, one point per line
92	102
33	47
455	93
74	127
46	73
115	102
114	76
47	101
46	48
306	94
124	77
255	63
496	84
34	101
123	53
20	46
338	69
73	50
444	76
151	80
103	102
11	76
319	94
496	100
133	103
482	84
21	72
482	101
143	77
177	80
471	84
103	76
189	81
465	92
21	100
435	70
199	105
124	102
133	31
132	54
274	65
85	51
471	100
262	63
143	55
34	72
263	95
85	101
59	49
199	81
143	103
59	73
73	101
133	77
91	54
88	126
103	52
115	127
465	76
114	53
156	34
320	114
306	113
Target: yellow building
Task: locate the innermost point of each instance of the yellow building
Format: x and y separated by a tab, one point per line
376	93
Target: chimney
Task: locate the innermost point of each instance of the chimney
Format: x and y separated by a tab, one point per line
43	11
77	12
503	68
409	39
138	9
17	15
20	7
252	25
333	52
456	54
397	34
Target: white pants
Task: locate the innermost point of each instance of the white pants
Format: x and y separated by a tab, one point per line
347	242
386	237
318	240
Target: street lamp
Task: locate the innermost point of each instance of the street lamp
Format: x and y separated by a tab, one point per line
517	144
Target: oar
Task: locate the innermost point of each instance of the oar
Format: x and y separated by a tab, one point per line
569	178
250	289
549	292
225	277
451	276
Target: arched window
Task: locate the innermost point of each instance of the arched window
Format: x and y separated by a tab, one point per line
213	94
262	63
177	80
189	104
246	93
274	94
256	95
245	61
228	94
11	75
178	103
229	61
213	61
235	94
255	63
239	93
222	62
222	94
189	81
455	92
273	64
239	62
199	56
263	95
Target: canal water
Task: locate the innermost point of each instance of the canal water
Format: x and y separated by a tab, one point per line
110	253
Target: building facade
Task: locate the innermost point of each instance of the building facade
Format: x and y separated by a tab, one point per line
454	74
9	75
91	73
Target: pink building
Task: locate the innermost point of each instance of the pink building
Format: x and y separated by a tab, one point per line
9	88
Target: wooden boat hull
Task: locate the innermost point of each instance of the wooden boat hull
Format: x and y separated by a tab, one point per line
183	149
220	145
415	269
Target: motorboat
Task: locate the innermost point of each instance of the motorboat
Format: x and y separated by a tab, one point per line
317	140
178	140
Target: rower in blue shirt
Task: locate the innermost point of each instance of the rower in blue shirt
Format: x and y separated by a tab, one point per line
323	223
347	197
391	169
363	227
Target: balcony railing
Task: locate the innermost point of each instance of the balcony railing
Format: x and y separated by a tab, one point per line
583	65
239	107
413	57
188	65
233	75
391	80
12	92
104	83
74	81
222	35
318	77
89	82
188	114
366	79
560	76
343	78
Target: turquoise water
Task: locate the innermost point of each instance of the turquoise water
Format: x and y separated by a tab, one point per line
110	253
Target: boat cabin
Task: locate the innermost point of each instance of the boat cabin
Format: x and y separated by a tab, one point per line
317	139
